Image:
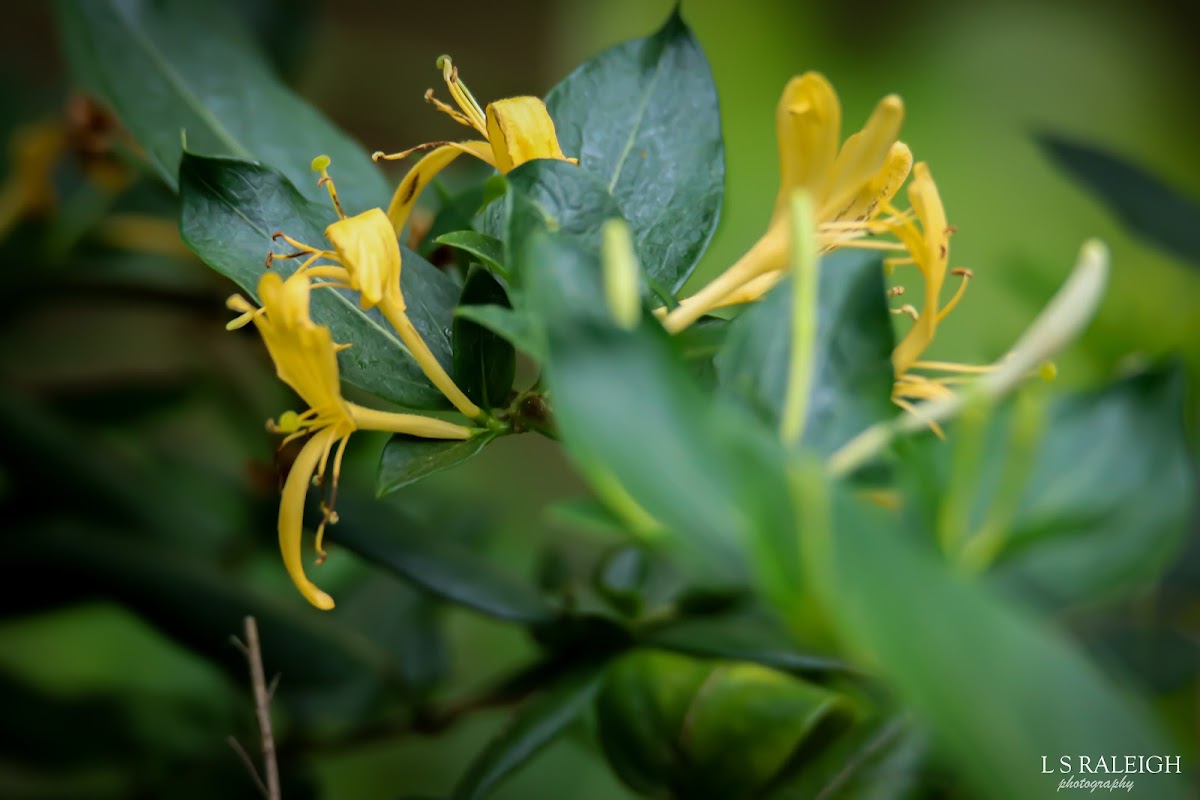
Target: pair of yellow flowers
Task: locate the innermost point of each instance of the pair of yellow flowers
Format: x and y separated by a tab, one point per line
852	186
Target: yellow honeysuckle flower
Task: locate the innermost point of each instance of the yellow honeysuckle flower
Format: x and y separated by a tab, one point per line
514	130
926	241
366	259
305	359
849	186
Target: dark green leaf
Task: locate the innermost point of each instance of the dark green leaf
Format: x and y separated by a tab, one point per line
407	459
998	688
510	325
444	568
643	117
230	210
852	384
611	387
326	665
1110	492
546	195
534	727
405	624
881	760
1149	207
487	249
484	363
1101	506
185	67
742	638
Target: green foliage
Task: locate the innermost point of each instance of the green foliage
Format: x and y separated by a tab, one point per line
231	209
642	116
1149	207
148	63
741	619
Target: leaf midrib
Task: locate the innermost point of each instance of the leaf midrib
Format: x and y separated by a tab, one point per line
176	81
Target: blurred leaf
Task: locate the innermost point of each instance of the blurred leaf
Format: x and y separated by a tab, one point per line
611	387
444	568
742	638
484	362
327	668
1110	493
148	61
548	195
512	326
404	623
881	760
997	688
852	384
1106	494
643	117
487	249
456	214
532	729
230	210
1150	208
683	727
407	459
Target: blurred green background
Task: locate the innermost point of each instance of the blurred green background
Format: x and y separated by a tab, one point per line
128	357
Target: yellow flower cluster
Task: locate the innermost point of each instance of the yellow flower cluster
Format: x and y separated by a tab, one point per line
850	186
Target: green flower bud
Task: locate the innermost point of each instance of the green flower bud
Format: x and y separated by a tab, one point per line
674	726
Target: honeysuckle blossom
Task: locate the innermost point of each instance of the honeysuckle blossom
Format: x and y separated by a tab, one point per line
850	184
366	259
305	359
514	130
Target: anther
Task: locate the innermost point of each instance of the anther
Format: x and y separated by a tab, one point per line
895	291
962	272
908	309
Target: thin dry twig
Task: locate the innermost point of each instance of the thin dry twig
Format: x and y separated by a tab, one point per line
262	709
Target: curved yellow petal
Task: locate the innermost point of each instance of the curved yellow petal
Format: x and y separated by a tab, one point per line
366	245
878	191
424	171
520	129
808	129
291	516
861	157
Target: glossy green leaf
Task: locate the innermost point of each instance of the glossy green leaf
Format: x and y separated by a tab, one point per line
1159	213
407	459
443	567
511	325
535	726
556	196
643	117
997	687
852	384
148	61
489	250
230	210
484	362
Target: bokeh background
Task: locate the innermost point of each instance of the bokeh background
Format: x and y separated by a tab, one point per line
121	362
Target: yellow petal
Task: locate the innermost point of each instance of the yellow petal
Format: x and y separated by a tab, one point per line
520	130
808	128
366	245
876	193
291	516
861	157
424	171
